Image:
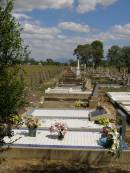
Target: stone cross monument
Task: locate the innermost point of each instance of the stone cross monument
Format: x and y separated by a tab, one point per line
78	70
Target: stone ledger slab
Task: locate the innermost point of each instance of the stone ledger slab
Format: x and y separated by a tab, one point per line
60	113
44	139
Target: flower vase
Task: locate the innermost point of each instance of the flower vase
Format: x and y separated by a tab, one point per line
32	132
60	136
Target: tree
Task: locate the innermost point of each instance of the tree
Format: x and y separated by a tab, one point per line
49	61
119	57
97	52
12	54
72	62
126	55
113	54
84	53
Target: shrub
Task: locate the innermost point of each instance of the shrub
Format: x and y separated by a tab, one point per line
102	121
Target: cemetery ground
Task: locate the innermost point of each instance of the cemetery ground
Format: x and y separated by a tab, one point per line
37	85
51	166
37	79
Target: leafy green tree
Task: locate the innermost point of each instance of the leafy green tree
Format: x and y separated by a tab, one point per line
72	62
12	53
113	54
126	55
49	61
84	53
119	57
97	52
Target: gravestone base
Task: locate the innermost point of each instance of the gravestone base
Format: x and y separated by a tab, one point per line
93	104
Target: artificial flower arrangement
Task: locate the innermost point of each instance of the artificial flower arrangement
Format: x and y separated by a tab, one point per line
32	123
60	128
110	139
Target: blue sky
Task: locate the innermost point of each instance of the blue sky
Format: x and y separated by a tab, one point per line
53	28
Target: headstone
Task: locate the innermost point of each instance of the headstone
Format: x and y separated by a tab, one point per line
78	70
70	90
88	84
97	113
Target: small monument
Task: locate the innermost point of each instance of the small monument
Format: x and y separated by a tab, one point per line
78	70
88	84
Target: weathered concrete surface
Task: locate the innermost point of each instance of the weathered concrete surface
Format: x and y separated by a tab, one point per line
68	97
91	157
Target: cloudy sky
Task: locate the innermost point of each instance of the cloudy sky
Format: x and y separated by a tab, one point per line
53	28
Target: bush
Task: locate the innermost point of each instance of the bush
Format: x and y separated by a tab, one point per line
77	104
102	121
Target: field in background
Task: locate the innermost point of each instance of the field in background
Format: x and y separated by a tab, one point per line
37	78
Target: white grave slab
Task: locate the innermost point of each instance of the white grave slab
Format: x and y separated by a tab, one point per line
75	123
127	108
66	91
60	113
126	103
119	96
72	124
44	139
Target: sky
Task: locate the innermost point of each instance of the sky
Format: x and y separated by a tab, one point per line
54	28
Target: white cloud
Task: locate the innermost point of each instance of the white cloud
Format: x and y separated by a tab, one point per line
74	27
90	5
41	31
29	5
20	16
104	36
51	42
117	32
122	31
82	5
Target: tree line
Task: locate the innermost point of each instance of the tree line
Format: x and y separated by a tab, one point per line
48	61
93	55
